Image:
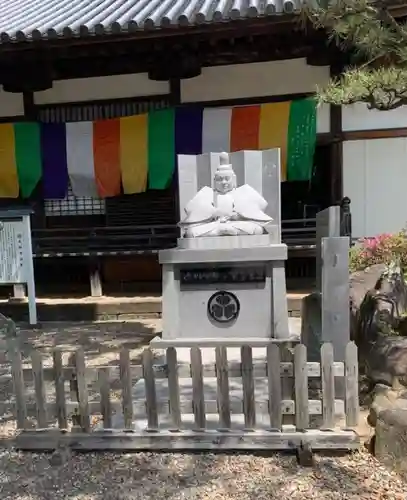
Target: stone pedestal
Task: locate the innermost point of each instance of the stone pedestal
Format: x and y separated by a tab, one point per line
225	293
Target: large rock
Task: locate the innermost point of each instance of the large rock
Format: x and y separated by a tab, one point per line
385	361
391	439
360	283
383	308
7	326
384	398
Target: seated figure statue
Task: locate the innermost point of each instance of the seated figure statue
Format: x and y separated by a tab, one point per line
226	210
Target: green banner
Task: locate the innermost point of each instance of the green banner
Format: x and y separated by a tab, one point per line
161	148
302	135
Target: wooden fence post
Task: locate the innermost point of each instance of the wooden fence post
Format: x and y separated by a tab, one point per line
18	382
301	388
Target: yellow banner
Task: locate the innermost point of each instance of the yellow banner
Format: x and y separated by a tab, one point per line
273	129
9	187
134	153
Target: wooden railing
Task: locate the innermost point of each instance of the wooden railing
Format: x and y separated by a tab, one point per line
121	240
298	234
157	421
133	239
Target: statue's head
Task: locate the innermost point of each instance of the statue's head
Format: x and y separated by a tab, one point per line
225	178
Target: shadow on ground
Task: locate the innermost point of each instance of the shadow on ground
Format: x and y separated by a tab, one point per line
200	476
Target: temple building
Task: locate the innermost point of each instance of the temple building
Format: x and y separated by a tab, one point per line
98	98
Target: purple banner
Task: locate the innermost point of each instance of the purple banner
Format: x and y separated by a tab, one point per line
54	166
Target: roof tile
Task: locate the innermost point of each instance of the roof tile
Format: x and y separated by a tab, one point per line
42	19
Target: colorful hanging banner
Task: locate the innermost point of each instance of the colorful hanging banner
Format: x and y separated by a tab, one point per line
302	134
273	130
161	148
134	153
106	157
216	124
79	155
9	187
188	131
28	156
244	132
54	166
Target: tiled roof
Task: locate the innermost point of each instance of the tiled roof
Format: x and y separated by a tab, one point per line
38	19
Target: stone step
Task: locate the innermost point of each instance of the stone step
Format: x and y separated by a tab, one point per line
105	308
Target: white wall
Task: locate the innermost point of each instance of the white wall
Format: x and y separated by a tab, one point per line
375	179
359	117
11	104
99	88
236	81
241	81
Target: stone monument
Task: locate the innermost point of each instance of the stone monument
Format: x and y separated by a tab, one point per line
226	278
224	283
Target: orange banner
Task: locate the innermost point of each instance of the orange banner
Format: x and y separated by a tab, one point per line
245	128
106	156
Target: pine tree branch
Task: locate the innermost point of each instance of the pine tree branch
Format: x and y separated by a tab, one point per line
368	32
382	89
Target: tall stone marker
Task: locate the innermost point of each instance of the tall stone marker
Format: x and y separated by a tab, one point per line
325	312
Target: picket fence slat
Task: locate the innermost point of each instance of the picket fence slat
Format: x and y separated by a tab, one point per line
274	383
173	388
39	388
60	389
198	397
125	378
351	384
249	407
18	383
301	388
151	396
83	401
328	386
105	403
223	387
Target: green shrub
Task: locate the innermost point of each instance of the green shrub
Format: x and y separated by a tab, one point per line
382	249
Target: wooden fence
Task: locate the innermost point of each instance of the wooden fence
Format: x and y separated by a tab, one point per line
280	418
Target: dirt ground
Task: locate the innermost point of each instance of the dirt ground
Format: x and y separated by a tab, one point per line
97	476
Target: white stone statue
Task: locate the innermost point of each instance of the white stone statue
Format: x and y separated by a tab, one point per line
226	210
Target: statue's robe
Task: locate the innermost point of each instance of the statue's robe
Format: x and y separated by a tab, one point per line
242	207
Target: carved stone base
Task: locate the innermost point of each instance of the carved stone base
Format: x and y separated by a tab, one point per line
225	293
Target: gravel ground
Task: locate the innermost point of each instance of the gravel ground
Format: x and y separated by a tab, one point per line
26	476
207	477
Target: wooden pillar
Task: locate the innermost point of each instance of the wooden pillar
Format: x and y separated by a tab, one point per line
18	293
175	100
336	149
175	91
95	278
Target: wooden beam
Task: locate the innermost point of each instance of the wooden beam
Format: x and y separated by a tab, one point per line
121	56
120	441
30	111
357	135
